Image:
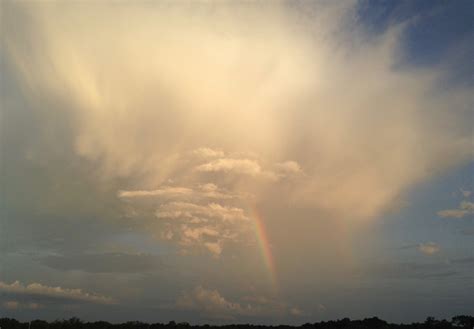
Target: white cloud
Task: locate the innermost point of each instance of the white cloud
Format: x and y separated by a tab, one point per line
288	167
191	211
165	191
206	152
429	248
250	167
465	208
209	226
239	166
210	302
202	191
37	289
213	304
295	311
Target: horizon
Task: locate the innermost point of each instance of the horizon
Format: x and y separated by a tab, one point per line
458	321
236	162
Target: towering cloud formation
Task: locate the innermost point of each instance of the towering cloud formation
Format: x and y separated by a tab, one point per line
287	105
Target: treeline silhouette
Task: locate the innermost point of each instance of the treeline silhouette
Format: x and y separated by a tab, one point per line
457	322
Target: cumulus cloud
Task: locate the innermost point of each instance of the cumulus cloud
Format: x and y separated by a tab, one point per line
466	208
290	91
239	166
195	212
429	248
247	88
208	225
202	191
288	167
165	191
213	304
210	302
40	290
206	152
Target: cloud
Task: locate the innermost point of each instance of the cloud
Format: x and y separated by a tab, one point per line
466	208
429	248
237	166
288	167
206	152
40	290
209	226
251	168
210	302
194	212
286	92
207	190
214	305
295	311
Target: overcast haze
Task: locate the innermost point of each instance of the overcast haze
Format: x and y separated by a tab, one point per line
220	162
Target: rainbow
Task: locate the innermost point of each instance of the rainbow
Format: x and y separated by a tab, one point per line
264	245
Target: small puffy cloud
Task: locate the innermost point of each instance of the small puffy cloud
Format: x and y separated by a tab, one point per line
465	208
214	247
210	302
288	168
200	214
295	311
40	290
208	226
206	152
249	167
213	304
429	248
238	166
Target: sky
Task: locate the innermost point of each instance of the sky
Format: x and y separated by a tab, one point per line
236	162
